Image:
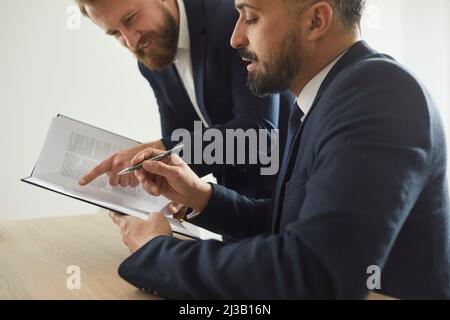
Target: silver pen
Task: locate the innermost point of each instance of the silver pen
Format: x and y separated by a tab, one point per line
162	156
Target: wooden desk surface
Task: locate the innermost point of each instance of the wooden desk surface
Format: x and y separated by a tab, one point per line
35	255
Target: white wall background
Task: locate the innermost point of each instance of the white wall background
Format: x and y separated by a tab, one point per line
46	68
416	33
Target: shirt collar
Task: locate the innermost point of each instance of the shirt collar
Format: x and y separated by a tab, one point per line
183	37
306	98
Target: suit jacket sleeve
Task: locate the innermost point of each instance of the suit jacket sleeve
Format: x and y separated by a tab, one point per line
169	119
223	214
372	159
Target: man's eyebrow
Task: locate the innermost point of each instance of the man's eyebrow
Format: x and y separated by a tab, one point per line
129	13
243	5
124	17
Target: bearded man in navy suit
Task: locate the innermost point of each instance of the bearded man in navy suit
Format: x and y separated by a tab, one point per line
362	190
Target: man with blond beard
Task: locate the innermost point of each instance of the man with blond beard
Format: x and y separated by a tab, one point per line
184	53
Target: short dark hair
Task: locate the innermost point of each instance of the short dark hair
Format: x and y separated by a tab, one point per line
348	11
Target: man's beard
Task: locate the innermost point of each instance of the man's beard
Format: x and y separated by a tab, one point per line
276	73
163	46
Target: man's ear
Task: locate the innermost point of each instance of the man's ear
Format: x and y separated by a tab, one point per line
319	19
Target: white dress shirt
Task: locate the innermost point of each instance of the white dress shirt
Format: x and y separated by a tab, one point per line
309	93
183	61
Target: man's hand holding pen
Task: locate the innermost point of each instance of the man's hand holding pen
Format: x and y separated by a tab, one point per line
169	176
117	162
174	179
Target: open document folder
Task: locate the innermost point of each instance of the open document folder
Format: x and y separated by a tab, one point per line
73	148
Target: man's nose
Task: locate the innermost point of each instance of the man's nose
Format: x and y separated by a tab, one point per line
239	38
131	39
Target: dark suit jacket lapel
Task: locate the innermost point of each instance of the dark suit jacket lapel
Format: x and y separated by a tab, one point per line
357	52
197	31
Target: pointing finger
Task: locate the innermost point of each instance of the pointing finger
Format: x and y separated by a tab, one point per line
100	169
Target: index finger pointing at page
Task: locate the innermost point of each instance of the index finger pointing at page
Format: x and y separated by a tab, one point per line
100	169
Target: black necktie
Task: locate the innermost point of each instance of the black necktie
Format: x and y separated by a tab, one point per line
295	122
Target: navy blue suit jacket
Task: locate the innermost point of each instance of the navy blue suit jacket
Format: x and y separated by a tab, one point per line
220	78
367	186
